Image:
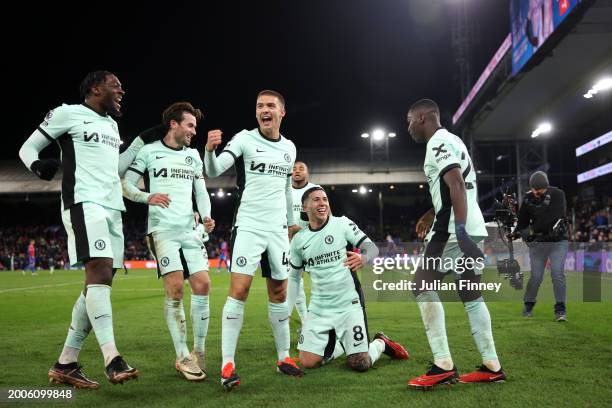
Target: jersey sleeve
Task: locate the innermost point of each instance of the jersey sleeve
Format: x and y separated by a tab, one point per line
352	233
296	256
139	165
442	154
235	145
56	123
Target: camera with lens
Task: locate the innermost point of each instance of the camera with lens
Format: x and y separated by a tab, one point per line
505	217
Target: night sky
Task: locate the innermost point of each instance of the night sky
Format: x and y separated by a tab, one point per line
344	66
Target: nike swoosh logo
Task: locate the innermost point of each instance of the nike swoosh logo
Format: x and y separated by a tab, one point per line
283	320
104	315
182	321
205	318
231	318
357	344
86	122
259	151
159	157
305	246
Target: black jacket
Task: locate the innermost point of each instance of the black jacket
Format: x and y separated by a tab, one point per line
541	214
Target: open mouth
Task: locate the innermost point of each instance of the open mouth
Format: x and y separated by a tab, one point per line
117	102
266	120
322	210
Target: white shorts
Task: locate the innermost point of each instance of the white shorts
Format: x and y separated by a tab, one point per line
247	248
319	333
178	251
452	257
94	231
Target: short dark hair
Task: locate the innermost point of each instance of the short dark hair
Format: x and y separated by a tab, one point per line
92	79
309	191
426	104
176	110
280	97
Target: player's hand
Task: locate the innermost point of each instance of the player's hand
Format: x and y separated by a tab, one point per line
354	260
466	244
293	230
423	225
213	140
45	169
153	134
159	199
209	224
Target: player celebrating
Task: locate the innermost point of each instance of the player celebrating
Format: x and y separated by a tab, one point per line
263	159
335	305
91	212
300	182
458	223
172	172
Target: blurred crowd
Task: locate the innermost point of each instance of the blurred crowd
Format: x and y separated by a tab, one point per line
593	221
592	224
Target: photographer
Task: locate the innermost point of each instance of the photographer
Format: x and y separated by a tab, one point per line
541	224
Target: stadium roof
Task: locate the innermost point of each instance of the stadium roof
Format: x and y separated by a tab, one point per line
327	167
551	87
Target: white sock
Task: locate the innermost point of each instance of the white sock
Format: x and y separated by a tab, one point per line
231	324
69	355
278	316
100	314
377	346
432	314
175	319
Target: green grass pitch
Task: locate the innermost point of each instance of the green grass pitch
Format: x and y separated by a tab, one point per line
547	363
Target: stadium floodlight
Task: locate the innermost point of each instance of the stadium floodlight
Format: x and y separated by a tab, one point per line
391	187
603	84
220	193
365	135
392	134
541	129
420	186
363	190
229	194
355	190
212	194
378	134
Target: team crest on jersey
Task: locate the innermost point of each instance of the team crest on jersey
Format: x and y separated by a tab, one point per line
241	261
189	160
100	244
287	158
329	240
165	261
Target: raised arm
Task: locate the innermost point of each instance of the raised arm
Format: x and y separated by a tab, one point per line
217	165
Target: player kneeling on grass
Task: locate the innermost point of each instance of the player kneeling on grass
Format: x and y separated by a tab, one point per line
335	309
172	173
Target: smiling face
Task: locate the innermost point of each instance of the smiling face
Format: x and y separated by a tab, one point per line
269	111
184	130
110	94
317	206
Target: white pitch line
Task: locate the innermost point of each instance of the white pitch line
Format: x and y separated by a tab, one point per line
62	284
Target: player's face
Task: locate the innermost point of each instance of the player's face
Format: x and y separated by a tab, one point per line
185	130
300	172
415	126
269	112
317	206
538	192
111	95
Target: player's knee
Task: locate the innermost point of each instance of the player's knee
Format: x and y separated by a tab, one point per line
200	283
99	271
174	291
359	362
